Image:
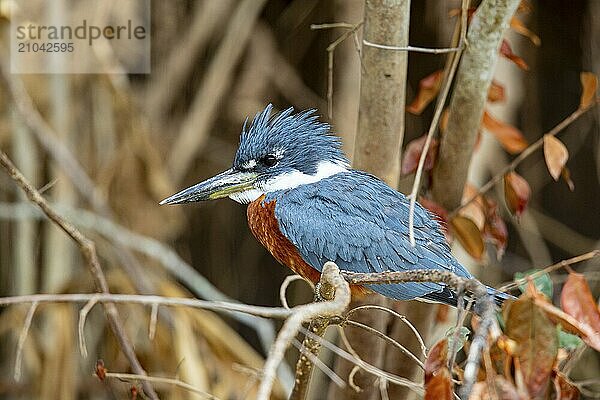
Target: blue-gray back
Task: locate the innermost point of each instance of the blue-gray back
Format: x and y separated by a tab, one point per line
360	223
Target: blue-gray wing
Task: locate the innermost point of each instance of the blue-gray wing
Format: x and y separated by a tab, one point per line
361	224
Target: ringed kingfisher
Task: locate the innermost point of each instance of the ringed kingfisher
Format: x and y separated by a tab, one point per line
307	206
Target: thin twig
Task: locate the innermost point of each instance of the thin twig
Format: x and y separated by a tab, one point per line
153	322
330	50
152	248
562	264
83	313
88	250
266	312
388	339
335	378
397	315
524	154
156	379
369	368
439	107
413	48
22	338
292	325
283	288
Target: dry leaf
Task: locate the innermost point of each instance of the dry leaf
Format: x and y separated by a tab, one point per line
516	193
566	175
518	26
576	300
537	340
429	87
496	92
564	389
438	382
589	84
495	230
506	51
469	236
413	152
556	155
509	137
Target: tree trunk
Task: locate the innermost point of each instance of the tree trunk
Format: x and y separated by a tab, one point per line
377	150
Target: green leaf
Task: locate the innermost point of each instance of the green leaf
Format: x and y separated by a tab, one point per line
567	340
543	282
463	335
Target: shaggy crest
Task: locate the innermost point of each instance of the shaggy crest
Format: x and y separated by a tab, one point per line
300	139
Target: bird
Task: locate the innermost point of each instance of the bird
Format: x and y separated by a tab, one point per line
306	205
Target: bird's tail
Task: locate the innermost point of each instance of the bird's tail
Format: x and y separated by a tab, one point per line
499	297
449	296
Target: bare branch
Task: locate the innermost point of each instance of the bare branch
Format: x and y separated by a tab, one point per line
81	324
22	338
526	153
412	48
155	379
330	276
88	251
450	71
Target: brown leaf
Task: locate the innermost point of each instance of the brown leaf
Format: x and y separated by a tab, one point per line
469	236
439	386
506	51
589	84
568	323
537	339
566	175
576	300
438	382
556	155
495	230
413	152
428	89
564	389
516	193
496	92
436	359
518	26
509	137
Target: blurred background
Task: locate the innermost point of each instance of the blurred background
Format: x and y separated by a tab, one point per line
139	138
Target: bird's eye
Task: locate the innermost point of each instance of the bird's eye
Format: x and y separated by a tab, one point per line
269	160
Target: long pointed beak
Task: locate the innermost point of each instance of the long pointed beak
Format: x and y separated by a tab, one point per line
225	184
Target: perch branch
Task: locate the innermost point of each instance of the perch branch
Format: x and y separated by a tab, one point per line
330	277
484	304
88	250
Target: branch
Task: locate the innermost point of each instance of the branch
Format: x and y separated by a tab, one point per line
382	90
88	250
150	300
484	305
441	101
152	248
526	153
330	277
473	80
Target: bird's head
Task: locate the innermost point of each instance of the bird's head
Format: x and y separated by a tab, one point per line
277	152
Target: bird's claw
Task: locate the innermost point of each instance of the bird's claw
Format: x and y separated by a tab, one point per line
318	297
